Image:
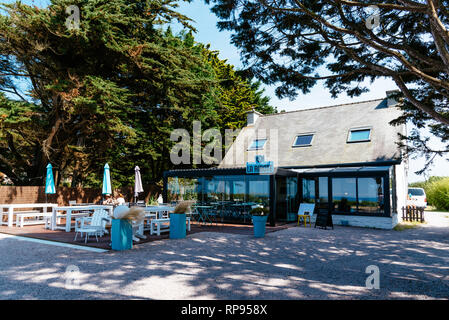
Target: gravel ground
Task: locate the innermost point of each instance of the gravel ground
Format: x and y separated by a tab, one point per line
296	263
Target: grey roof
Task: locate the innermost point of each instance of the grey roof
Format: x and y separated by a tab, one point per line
330	127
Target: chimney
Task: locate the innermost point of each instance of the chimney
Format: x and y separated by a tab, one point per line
252	116
391	99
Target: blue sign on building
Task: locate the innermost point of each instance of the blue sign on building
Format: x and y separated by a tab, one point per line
260	166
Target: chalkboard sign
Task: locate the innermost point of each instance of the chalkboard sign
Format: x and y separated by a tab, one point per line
324	220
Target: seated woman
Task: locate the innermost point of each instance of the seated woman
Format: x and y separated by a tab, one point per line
120	199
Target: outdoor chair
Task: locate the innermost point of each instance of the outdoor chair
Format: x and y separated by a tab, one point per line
95	225
305	212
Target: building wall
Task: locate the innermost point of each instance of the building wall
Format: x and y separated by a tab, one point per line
36	194
387	223
401	186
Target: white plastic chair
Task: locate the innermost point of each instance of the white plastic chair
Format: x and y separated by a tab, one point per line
95	225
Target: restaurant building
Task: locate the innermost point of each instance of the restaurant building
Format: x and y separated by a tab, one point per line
343	158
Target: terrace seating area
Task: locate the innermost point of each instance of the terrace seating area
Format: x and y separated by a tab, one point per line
90	224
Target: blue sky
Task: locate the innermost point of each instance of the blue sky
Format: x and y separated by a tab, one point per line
207	32
205	23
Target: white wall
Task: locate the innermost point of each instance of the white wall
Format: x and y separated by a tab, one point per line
401	187
387	223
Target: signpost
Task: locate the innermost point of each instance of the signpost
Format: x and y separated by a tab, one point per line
260	166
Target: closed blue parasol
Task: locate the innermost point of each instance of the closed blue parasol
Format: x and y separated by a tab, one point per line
49	181
107	188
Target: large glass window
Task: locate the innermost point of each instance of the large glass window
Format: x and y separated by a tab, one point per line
179	189
258	190
308	190
292	198
323	194
344	195
371	194
358	195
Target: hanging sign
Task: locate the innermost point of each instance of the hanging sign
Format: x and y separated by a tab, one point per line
260	166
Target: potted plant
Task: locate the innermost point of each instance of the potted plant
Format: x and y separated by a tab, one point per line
178	220
260	215
122	226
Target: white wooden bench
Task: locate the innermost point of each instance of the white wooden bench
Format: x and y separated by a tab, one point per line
161	225
20	217
47	218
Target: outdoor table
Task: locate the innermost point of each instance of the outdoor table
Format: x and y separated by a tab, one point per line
203	213
70	209
154	212
243	208
11	208
159	210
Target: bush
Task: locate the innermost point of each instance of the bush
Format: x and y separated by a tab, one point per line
438	194
259	211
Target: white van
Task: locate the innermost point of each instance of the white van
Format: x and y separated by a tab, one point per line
417	197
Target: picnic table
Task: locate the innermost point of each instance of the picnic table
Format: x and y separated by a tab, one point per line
28	212
159	211
82	210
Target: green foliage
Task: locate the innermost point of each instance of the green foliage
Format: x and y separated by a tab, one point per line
437	191
260	211
298	44
438	194
406	225
111	91
152	201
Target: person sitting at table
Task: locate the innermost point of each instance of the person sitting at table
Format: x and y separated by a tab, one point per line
109	200
120	199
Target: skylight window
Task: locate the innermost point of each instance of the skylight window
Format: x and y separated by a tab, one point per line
359	135
257	144
303	140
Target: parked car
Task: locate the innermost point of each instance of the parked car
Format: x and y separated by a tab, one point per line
417	197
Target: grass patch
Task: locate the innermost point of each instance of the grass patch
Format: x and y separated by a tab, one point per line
406	225
433	209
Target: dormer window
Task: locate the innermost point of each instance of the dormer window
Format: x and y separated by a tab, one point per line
257	144
359	135
303	140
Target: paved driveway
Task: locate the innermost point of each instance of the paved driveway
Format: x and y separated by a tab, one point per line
296	263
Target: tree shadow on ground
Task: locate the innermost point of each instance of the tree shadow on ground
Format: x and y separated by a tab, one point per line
296	263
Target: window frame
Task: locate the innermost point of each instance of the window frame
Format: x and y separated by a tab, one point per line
303	145
370	129
261	148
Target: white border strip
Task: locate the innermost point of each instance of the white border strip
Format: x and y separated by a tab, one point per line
54	243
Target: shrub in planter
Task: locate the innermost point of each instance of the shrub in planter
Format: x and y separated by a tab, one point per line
122	226
178	220
260	211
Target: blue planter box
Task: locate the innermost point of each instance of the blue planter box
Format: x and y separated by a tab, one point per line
259	223
121	235
177	225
